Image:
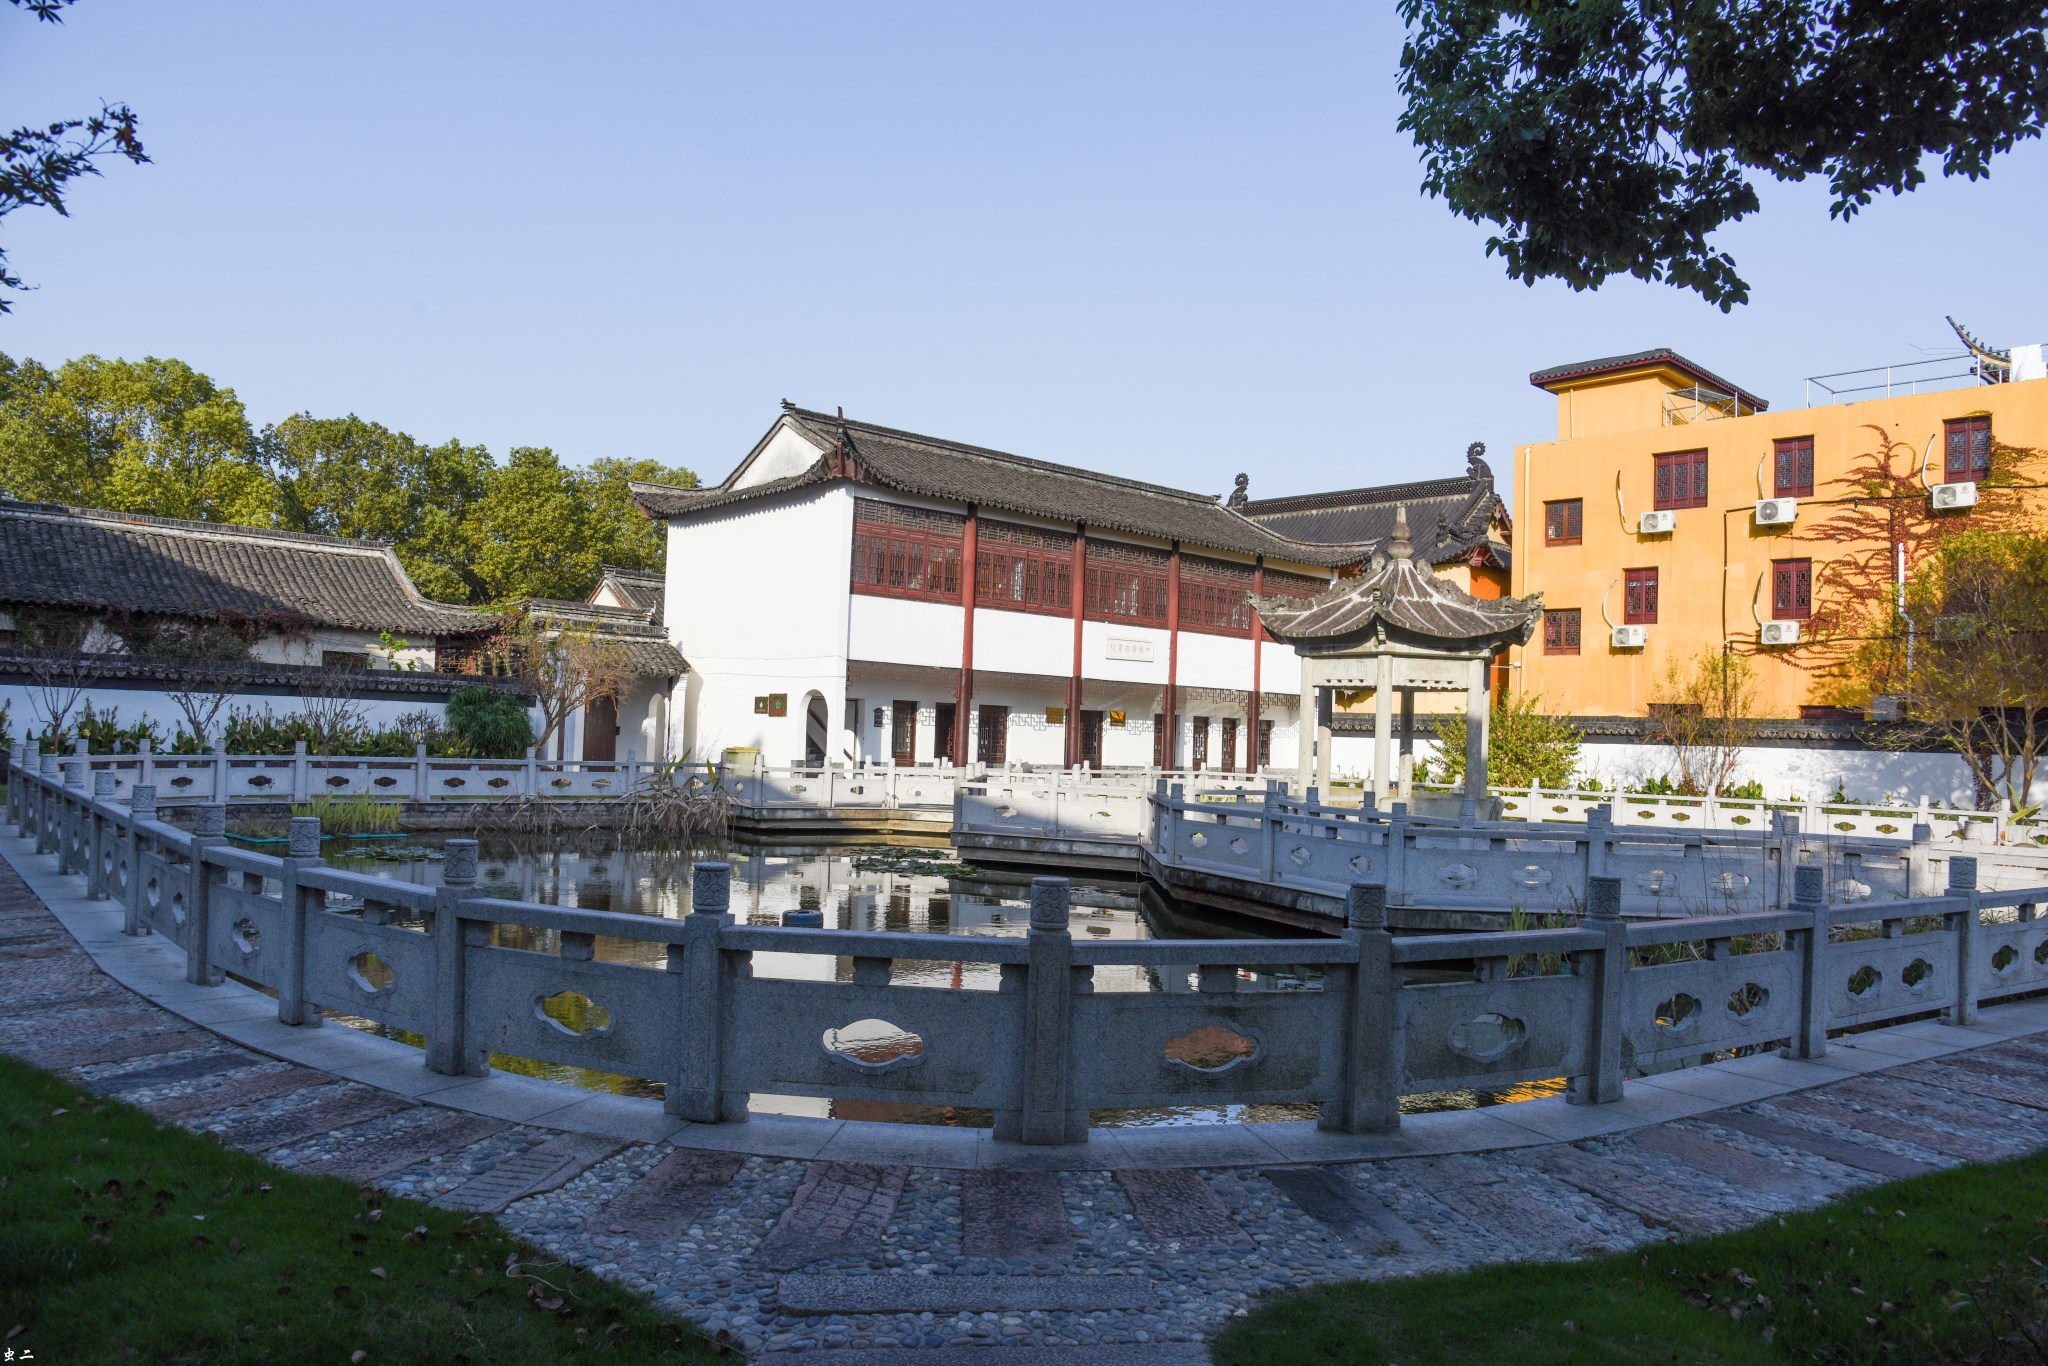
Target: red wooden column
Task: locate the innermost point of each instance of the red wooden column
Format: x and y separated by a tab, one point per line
1171	750
963	692
1251	711
1078	574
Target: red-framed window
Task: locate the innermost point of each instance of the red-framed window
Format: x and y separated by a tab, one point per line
1968	450
1198	732
1023	569
1215	596
1681	479
1229	761
1265	744
906	552
1126	583
1639	597
1564	521
1281	584
1791	590
1793	459
1159	739
1561	631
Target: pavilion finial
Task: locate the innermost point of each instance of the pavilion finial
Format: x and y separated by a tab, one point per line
1399	547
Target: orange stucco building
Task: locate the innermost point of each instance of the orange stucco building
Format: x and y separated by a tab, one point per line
1654	433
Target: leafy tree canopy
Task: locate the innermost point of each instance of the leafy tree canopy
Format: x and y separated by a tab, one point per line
1613	136
37	164
160	438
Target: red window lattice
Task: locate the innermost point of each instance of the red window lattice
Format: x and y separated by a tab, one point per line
1681	480
1794	474
1561	631
1564	521
1791	590
1639	602
1968	450
906	552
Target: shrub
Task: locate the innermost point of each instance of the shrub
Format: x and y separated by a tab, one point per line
1525	747
488	724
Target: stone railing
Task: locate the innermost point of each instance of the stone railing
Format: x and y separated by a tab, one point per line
1458	864
1046	1048
217	776
1552	805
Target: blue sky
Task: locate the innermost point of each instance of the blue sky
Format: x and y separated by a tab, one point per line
1172	242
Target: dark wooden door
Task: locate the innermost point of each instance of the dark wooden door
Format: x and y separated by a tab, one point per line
601	730
992	741
942	729
1091	739
903	733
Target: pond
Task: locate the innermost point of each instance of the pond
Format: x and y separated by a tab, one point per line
916	891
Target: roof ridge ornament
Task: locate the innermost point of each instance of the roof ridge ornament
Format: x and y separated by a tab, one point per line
1399	546
1240	495
1475	462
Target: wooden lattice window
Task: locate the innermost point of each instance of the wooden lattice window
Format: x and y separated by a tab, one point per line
1281	584
1265	744
1215	596
1126	583
1023	569
992	738
1968	450
906	552
1561	631
1791	590
1199	736
1564	521
1794	461
1639	600
1681	480
1229	762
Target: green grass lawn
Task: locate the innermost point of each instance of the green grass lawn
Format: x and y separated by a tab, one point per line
1938	1269
125	1240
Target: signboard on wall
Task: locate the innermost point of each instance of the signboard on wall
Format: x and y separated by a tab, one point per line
1055	716
774	704
1127	647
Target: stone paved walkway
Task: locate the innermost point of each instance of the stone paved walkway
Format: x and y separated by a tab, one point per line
858	1261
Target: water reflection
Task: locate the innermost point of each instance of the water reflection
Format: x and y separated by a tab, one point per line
852	890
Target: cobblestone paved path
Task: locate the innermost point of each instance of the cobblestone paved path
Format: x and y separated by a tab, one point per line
858	1263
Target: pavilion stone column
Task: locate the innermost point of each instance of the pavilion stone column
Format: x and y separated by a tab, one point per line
1326	704
1383	727
1404	764
1477	715
1305	725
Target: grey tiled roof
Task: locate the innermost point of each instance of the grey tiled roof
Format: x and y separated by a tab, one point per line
1607	364
1411	600
996	480
642	588
1449	516
92	559
646	647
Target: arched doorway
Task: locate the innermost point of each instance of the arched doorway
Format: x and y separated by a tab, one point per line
816	733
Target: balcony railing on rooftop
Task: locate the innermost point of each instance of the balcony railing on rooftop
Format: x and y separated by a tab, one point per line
1908	377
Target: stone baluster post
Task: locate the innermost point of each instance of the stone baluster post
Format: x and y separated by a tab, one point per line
1397	855
1606	972
201	878
1810	894
422	779
141	810
1920	872
47	802
449	1050
17	753
1964	921
299	904
699	1091
99	857
1046	1112
1369	1048
72	814
1789	849
300	782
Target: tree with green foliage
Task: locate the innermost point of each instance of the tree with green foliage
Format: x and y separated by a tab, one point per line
160	438
1706	712
1613	137
37	165
488	724
1524	746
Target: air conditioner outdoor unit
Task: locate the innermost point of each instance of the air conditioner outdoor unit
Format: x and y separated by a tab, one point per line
1657	523
1631	637
1954	495
1777	511
1778	633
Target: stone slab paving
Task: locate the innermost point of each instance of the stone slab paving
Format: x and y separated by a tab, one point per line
386	1154
1015	1216
784	1237
841	1210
